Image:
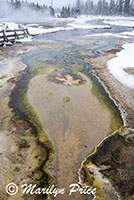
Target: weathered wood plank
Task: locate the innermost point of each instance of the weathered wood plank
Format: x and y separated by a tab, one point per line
11	35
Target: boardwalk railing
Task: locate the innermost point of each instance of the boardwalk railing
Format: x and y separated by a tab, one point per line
11	35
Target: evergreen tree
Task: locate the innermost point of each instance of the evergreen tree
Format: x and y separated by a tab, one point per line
51	11
112	8
78	7
127	7
68	12
120	7
17	4
99	7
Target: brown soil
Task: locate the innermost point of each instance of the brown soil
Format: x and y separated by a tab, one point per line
129	70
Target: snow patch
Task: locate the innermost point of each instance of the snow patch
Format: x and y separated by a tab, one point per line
11	26
124	59
26	39
87	26
40	30
128	33
108	35
125	22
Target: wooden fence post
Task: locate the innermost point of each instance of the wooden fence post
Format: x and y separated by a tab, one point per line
5	37
28	32
11	35
16	35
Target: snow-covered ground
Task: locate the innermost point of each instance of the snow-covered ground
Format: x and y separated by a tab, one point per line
85	22
120	35
131	33
40	30
73	26
120	22
82	22
9	25
26	39
124	59
84	18
70	24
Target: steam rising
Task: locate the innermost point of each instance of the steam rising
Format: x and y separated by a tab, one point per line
24	13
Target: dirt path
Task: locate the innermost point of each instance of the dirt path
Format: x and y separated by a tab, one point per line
75	127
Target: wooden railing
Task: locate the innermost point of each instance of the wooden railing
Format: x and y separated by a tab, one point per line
12	35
